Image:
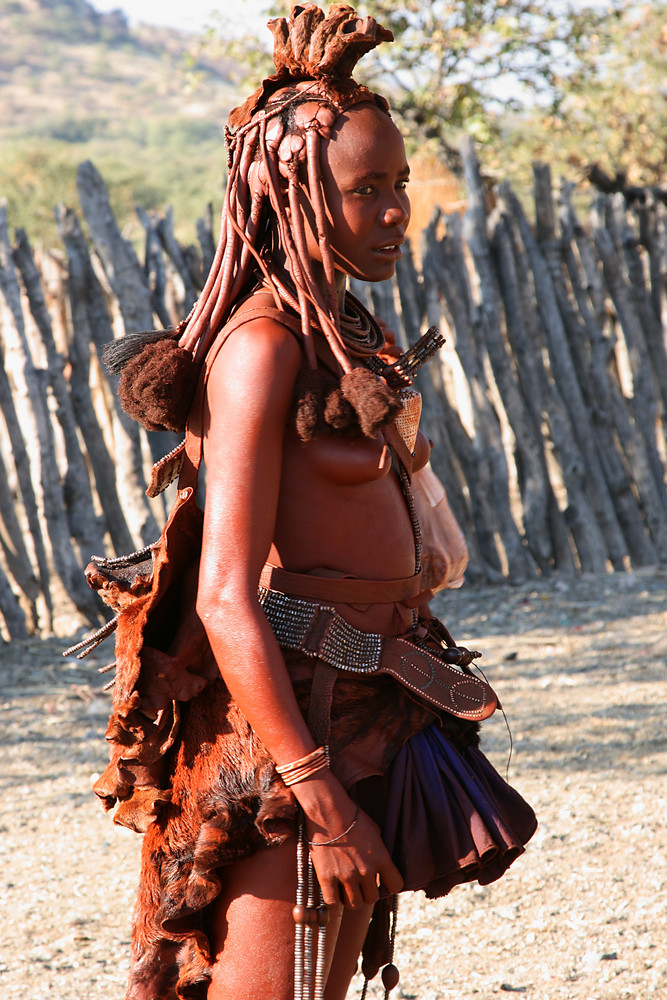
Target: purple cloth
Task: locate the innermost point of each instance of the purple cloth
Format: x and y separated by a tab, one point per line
449	817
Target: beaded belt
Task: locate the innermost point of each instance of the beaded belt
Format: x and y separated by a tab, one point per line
439	676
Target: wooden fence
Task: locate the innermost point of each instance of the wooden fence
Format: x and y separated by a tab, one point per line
546	407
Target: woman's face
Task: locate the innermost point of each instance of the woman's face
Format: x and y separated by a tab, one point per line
365	175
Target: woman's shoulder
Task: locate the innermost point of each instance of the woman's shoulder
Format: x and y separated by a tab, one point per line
257	329
257	347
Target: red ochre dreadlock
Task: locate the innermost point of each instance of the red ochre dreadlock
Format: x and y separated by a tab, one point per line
274	145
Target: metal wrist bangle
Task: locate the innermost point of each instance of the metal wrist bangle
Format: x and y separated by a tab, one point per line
334	840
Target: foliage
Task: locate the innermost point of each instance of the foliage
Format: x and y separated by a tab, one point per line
461	63
569	82
614	109
37	176
79	85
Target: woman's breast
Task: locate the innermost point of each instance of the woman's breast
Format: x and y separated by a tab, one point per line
341	506
349	461
342	460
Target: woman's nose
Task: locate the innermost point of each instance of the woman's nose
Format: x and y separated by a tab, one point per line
395	215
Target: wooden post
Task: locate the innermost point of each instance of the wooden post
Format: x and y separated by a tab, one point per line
652	218
522	376
31	388
16	559
154	270
566	379
531	467
592	387
578	515
130	287
644	397
206	239
178	257
437	411
11	610
77	492
471	449
627	470
643	299
89	317
121	265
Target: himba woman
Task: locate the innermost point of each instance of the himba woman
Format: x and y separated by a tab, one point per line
257	737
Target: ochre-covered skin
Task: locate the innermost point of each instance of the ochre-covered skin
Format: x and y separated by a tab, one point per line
269	496
206	702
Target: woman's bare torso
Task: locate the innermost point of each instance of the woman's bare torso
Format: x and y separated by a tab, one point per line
341	509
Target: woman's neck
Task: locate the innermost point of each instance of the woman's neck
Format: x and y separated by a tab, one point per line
317	270
340	279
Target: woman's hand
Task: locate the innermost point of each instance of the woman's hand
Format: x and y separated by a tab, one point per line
351	869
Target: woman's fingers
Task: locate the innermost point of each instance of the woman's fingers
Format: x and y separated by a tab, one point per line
353	885
390	877
359	892
339	883
369	889
352	895
331	893
352	869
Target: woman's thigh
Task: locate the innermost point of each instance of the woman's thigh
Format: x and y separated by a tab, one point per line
252	929
252	932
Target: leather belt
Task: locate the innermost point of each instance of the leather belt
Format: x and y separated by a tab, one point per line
341	590
439	676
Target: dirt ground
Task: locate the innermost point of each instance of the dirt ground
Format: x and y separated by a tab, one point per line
581	669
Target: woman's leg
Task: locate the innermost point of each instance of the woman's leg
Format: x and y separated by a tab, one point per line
252	932
347	948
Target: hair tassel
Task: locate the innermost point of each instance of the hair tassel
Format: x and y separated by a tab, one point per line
157	386
372	400
117	353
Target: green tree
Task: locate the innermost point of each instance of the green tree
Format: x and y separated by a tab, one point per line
466	63
613	109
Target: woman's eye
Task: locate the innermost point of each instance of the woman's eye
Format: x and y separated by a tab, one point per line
365	189
402	185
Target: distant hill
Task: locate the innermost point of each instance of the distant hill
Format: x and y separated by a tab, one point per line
78	84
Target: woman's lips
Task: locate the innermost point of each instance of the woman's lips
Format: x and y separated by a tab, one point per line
390	250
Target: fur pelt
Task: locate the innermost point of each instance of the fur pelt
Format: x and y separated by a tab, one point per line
372	400
360	403
157	386
226	801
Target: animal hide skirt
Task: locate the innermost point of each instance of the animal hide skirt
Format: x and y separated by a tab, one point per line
446	815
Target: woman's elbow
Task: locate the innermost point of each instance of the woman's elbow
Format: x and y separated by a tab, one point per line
223	603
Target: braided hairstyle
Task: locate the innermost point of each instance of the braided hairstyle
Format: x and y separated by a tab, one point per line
274	154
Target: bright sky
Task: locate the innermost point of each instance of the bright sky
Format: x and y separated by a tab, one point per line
189	15
196	15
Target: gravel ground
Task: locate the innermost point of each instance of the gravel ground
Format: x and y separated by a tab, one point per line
580	667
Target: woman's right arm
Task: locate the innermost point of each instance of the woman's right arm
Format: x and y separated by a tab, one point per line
249	401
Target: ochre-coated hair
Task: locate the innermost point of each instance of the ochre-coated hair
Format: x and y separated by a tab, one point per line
274	144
